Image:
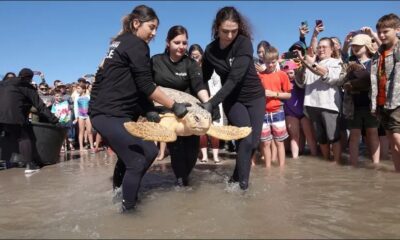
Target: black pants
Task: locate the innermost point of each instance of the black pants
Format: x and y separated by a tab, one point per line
184	152
22	136
250	114
135	154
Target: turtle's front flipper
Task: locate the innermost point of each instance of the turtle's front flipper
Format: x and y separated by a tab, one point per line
150	131
228	132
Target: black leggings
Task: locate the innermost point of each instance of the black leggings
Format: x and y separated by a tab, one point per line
137	155
250	114
184	152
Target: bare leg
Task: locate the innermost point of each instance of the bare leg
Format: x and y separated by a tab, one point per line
309	133
98	142
373	144
337	152
293	126
325	150
161	152
354	145
395	150
88	126
266	151
81	123
274	154
281	153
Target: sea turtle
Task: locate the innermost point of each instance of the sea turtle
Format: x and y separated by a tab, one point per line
196	122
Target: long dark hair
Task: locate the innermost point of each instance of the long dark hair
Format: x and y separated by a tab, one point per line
195	47
173	32
7	76
230	13
142	13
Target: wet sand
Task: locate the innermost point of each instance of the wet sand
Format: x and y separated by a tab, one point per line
309	198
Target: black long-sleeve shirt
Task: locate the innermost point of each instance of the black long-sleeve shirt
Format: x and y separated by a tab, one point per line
16	99
125	80
234	64
185	75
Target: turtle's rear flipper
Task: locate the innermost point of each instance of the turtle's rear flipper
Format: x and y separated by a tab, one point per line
150	131
228	132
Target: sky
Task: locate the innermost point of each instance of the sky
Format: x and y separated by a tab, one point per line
68	39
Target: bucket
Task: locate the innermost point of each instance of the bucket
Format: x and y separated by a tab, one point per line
48	140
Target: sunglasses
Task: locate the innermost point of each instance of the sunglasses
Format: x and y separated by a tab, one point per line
43	89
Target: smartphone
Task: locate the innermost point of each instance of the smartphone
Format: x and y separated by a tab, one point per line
304	24
289	55
258	61
319	22
353	33
37	73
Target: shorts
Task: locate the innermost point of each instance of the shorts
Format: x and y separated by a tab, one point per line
362	119
290	112
326	124
390	119
274	127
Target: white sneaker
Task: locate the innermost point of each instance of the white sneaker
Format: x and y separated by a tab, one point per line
31	168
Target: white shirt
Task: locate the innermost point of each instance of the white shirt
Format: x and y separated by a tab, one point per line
324	92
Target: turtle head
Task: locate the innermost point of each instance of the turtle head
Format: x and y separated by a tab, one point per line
197	122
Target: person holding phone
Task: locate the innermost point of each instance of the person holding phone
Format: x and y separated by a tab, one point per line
322	101
319	27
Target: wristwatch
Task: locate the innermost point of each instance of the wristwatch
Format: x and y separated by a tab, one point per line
314	66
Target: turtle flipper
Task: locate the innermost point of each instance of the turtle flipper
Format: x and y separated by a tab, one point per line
228	132
150	131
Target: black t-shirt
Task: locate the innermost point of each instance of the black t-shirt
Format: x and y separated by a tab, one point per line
235	66
125	81
185	75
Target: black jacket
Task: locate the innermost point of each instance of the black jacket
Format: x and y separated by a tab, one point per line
124	83
16	99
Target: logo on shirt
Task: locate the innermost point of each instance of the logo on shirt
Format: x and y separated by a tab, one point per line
112	48
181	74
231	61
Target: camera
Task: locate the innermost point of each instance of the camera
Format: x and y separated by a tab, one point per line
289	55
319	22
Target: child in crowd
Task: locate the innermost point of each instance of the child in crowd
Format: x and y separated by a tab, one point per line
277	88
62	110
385	81
356	101
296	122
81	106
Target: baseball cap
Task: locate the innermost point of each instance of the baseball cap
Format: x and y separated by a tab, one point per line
363	40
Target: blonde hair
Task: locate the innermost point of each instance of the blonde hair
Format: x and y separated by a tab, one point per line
271	53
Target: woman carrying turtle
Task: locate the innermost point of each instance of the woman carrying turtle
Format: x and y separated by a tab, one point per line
175	69
242	95
122	87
